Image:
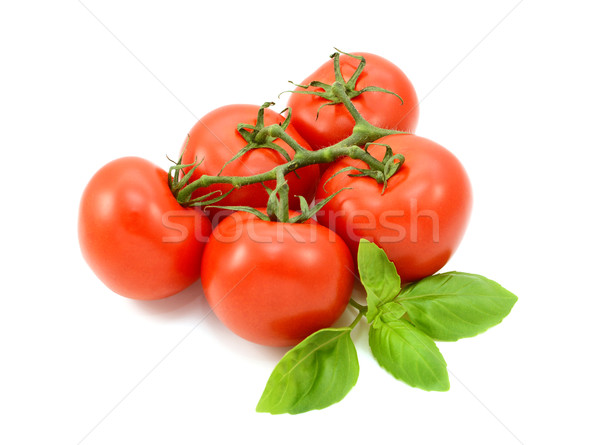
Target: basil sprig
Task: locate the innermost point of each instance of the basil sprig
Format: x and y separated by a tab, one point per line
323	368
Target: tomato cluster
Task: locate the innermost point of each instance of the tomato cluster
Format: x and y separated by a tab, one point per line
270	275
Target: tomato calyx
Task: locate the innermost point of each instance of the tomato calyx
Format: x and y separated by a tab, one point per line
278	204
177	183
391	164
259	136
331	92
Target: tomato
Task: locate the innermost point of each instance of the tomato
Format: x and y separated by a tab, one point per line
420	219
380	109
135	236
275	283
214	140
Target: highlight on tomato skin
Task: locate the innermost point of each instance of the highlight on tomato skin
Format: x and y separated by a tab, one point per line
134	235
276	283
421	217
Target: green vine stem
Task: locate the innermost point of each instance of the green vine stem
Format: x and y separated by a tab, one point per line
300	160
363	133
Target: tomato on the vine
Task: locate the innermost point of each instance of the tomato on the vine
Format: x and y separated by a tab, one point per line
381	109
214	140
420	218
135	236
275	283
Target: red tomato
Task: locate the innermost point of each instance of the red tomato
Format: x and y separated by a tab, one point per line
420	219
135	236
380	109
214	140
276	283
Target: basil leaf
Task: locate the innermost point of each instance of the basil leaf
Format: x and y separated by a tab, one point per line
407	353
315	374
392	311
378	275
455	305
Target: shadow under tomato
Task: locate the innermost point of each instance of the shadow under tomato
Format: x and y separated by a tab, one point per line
188	302
252	352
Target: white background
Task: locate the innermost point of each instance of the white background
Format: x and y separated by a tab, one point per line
515	97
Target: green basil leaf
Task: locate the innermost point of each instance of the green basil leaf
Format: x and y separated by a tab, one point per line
391	311
407	353
378	275
455	305
315	374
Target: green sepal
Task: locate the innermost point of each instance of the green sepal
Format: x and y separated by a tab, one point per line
340	171
204	200
307	213
288	118
304	207
254	146
277	204
349	85
248	209
176	184
380	90
390	166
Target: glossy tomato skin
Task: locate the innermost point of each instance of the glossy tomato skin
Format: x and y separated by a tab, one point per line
420	219
380	109
214	140
135	236
273	283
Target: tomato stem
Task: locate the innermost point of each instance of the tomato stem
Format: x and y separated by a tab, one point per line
278	204
302	159
260	136
339	90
